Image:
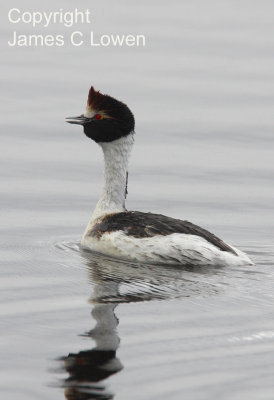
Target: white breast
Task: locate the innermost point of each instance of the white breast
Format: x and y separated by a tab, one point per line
173	249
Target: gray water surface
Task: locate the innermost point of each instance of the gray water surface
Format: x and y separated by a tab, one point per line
77	325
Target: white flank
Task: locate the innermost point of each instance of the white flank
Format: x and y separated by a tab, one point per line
176	248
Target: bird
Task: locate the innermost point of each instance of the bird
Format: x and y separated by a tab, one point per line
135	236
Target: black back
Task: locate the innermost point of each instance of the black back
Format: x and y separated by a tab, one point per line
143	225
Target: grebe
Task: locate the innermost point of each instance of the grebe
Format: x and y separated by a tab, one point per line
133	235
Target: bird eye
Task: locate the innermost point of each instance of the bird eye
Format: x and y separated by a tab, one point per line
98	116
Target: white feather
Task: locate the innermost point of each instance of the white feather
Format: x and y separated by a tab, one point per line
116	157
176	248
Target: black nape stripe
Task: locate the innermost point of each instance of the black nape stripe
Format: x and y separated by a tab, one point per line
142	225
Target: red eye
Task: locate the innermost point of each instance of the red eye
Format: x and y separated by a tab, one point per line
98	116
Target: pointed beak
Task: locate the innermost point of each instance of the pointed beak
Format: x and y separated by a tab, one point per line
77	120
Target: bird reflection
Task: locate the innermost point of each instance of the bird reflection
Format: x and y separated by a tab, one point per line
115	282
89	369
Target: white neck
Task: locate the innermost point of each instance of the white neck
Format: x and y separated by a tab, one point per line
116	156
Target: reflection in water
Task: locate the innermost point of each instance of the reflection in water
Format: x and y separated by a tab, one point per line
124	282
88	368
117	282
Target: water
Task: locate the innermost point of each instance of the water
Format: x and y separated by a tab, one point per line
81	326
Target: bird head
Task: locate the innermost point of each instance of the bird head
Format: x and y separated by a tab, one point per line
105	119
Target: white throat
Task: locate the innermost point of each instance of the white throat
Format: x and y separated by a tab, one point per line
116	157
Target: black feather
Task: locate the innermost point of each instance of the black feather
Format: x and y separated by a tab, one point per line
142	225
